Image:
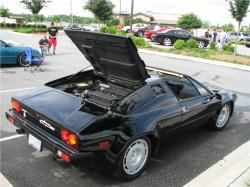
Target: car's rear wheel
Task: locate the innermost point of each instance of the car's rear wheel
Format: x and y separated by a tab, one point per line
133	159
222	118
140	34
167	41
201	44
21	60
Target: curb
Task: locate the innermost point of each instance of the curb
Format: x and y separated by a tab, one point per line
199	60
231	171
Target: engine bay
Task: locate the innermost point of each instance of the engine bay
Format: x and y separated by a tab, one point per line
96	91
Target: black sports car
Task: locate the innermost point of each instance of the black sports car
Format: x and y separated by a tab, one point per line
120	109
169	37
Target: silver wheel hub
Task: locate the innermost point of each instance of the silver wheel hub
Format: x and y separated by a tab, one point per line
167	42
223	116
135	157
201	44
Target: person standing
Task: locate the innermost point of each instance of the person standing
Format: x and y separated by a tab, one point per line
214	35
52	32
44	44
223	37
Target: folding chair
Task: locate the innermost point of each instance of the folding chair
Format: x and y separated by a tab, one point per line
31	62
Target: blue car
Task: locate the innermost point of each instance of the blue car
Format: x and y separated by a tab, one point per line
12	54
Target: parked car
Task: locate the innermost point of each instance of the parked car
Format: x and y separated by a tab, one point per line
140	32
233	36
169	37
14	54
149	33
248	42
134	26
121	115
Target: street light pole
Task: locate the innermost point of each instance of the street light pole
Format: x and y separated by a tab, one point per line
71	12
120	12
131	14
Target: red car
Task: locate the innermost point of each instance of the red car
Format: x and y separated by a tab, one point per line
149	33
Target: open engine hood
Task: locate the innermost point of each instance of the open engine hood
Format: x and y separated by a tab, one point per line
113	57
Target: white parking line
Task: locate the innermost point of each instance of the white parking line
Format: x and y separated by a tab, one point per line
4	182
14	90
11	137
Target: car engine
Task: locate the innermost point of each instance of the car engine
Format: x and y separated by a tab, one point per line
96	92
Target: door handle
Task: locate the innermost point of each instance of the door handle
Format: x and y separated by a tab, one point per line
206	100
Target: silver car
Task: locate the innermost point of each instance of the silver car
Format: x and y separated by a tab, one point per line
230	36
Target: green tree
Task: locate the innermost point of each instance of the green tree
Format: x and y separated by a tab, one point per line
228	27
55	19
238	9
189	21
35	6
102	9
206	24
39	18
4	12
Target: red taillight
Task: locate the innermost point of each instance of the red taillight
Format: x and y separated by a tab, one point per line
104	144
10	119
64	134
16	106
63	155
69	138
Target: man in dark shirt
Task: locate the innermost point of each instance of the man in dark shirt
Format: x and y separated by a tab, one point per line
44	44
52	31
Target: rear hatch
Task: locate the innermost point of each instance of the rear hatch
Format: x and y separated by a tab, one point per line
112	57
52	109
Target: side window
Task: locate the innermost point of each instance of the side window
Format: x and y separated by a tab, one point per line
201	89
182	88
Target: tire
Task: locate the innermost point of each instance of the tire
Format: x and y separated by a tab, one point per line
248	45
201	44
133	159
140	34
166	41
221	119
127	31
21	60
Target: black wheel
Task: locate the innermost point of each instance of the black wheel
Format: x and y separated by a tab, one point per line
21	60
248	45
127	31
167	41
134	159
140	34
221	119
201	44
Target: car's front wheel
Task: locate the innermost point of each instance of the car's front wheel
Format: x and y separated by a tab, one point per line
167	41
133	159
222	118
201	44
21	60
140	34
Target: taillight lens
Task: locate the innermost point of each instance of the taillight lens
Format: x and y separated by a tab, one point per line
69	138
16	106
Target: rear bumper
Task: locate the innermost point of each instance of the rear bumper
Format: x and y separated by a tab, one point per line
48	141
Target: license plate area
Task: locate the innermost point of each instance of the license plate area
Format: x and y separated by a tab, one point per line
34	142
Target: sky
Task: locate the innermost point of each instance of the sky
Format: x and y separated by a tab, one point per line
215	11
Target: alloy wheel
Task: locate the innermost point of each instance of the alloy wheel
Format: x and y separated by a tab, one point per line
223	116
167	42
135	156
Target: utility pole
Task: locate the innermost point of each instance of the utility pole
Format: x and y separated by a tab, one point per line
131	14
71	13
120	12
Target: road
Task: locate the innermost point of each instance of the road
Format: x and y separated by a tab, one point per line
177	162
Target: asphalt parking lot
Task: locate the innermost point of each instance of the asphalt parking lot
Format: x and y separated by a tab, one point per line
177	162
